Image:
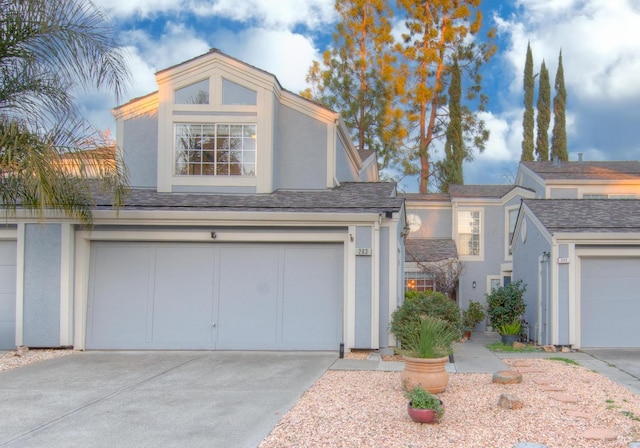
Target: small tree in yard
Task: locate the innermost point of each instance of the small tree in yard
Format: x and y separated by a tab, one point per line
506	305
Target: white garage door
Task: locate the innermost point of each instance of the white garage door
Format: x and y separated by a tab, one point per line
215	296
7	294
610	302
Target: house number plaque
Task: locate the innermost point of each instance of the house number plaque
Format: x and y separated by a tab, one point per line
366	251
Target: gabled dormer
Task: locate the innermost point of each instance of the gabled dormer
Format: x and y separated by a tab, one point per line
224	126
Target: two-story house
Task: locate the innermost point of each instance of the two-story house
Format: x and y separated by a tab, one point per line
577	248
252	223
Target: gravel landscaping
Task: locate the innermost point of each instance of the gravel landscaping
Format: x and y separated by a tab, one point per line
563	406
10	360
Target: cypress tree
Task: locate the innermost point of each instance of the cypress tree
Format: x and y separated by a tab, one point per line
450	169
544	114
559	136
528	119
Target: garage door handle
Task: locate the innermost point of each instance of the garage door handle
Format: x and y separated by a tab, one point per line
213	324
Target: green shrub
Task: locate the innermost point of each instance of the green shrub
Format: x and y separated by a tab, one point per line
472	316
506	305
406	319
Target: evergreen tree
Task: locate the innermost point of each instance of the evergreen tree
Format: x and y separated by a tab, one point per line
437	31
355	76
48	51
544	115
559	135
528	118
450	168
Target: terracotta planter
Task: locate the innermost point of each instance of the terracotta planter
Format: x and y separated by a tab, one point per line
428	372
421	415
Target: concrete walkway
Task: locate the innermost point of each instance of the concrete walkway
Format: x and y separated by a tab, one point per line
619	365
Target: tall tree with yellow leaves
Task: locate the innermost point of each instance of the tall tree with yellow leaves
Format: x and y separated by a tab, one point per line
356	74
438	32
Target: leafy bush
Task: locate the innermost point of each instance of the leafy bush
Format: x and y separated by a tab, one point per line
506	305
423	399
433	339
473	315
417	305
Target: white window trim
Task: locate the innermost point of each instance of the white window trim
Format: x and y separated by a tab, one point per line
479	257
507	255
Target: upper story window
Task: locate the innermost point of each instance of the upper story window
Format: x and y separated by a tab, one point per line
197	93
469	232
215	149
234	94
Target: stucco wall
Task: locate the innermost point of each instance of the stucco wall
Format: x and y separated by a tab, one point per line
363	289
42	270
141	149
302	162
435	222
528	264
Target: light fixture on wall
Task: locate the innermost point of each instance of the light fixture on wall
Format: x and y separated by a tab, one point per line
474	284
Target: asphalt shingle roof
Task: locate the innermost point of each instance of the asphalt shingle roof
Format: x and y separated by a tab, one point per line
612	170
349	197
430	249
479	191
587	215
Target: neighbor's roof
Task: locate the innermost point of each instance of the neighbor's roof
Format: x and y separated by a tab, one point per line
349	197
429	197
479	191
430	249
614	170
587	215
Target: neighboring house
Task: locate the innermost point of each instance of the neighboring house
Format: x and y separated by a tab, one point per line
472	225
578	251
252	224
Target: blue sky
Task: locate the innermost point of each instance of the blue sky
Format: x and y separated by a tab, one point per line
599	39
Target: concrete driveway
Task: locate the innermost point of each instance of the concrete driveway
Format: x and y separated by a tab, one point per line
626	361
152	399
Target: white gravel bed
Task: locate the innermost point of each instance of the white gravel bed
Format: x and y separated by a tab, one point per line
9	360
368	409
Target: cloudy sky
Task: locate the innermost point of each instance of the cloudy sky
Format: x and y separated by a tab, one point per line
599	40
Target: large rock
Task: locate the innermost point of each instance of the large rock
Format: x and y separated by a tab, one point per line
507	377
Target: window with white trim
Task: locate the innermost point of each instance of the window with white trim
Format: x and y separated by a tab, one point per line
418	281
215	149
469	232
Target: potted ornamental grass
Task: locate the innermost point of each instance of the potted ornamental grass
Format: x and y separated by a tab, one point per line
471	317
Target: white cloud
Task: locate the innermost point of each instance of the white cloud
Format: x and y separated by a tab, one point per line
600	58
272	14
505	135
285	54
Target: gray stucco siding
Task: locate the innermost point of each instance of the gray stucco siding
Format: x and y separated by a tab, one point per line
563	193
303	151
384	294
526	267
563	296
345	169
8	260
363	289
435	222
42	271
140	153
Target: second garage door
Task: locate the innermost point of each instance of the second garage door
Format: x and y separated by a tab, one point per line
610	302
215	296
7	295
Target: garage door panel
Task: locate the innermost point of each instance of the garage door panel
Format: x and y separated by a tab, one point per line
610	302
118	305
7	294
248	297
183	293
312	311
